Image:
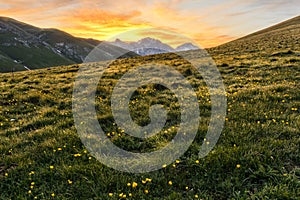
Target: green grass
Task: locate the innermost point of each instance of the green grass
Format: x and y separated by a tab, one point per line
256	157
38	48
281	37
6	61
39	57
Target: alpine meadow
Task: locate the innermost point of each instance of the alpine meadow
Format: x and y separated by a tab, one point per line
256	157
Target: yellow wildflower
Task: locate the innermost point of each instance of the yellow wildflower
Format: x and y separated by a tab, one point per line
148	179
134	184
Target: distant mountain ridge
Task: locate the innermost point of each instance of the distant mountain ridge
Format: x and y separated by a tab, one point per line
23	46
150	46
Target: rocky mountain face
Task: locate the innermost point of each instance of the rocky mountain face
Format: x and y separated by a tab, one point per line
150	46
24	47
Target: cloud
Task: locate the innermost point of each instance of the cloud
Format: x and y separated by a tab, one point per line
207	22
208	40
106	18
172	38
39	13
98	16
99	23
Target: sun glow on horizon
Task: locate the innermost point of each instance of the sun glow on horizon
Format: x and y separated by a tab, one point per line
207	23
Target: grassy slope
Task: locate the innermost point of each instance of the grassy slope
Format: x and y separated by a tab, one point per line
34	57
281	37
7	61
261	135
286	24
257	155
38	55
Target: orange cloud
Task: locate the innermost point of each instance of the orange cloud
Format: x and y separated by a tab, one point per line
212	40
99	24
103	19
209	23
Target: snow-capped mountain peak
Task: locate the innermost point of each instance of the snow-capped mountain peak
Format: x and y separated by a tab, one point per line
186	47
150	46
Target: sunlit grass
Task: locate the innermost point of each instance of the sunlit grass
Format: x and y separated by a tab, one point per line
257	155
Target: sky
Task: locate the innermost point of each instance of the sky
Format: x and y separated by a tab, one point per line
207	23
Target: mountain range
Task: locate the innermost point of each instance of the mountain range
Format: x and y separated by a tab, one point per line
150	46
24	47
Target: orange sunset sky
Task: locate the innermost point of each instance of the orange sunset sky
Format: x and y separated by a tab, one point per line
209	23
